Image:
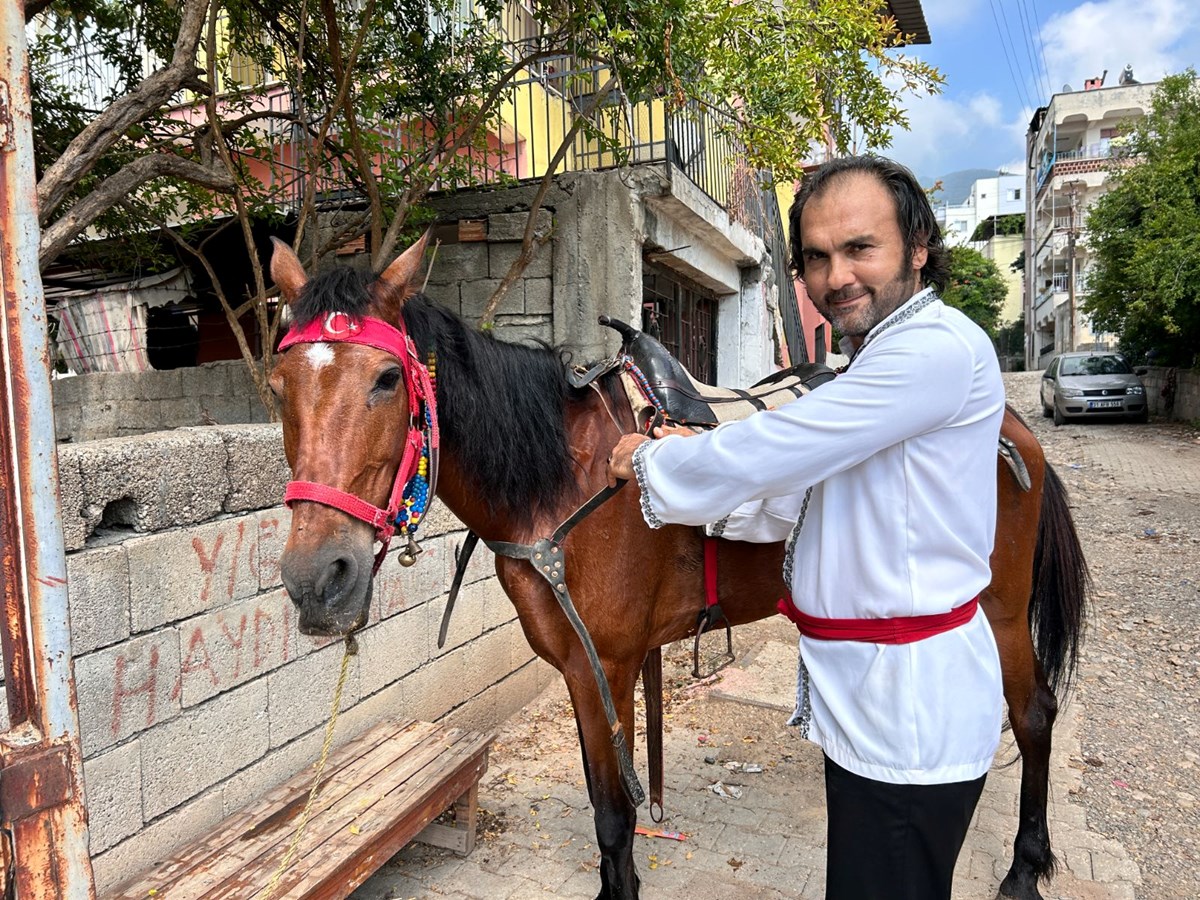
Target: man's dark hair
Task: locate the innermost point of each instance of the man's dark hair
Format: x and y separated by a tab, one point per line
914	215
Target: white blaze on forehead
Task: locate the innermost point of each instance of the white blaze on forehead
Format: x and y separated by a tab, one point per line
319	355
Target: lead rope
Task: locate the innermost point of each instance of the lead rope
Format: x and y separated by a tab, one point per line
351	649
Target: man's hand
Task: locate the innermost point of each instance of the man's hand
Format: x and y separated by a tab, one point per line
620	461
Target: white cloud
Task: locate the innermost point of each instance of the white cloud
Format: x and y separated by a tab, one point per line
944	131
1156	37
943	16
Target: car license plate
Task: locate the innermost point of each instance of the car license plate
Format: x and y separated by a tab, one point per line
1104	404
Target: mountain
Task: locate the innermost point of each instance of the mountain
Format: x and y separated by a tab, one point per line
956	186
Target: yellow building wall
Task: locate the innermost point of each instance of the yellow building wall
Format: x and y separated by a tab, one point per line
1003	250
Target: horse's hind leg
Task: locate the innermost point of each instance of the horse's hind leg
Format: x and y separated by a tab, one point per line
1032	709
615	817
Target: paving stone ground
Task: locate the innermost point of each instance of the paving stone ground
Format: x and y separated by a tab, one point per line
536	832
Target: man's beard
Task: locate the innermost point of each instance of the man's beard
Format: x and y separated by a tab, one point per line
881	304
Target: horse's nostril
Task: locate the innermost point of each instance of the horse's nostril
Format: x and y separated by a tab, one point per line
338	576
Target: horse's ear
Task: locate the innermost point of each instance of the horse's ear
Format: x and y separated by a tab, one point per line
399	281
287	271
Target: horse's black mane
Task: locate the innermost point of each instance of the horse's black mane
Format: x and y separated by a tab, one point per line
501	406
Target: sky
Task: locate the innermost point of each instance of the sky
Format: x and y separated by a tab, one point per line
980	118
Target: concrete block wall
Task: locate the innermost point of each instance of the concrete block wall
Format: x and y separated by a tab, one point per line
197	693
1187	393
464	276
116	404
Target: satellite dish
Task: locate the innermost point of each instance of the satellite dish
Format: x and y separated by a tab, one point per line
1066	89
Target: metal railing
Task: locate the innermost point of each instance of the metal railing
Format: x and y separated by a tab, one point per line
1098	150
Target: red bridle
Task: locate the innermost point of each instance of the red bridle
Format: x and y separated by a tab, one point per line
373	332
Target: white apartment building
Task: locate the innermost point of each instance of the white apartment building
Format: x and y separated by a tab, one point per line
1069	147
1000	195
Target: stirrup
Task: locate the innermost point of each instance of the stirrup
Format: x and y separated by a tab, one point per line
706	621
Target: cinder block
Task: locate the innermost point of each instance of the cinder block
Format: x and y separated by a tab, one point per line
440	520
444	295
203	746
233	410
502	256
127	688
520	330
98	420
498	609
98	592
276	767
176	574
156	385
65	391
511	226
476	294
454	262
209	379
489	658
498	703
223	649
258	470
133	856
182	412
436	688
539	296
140	416
113	786
396	646
68	420
466	622
70	493
273	527
166	478
398	588
482	564
385	706
300	695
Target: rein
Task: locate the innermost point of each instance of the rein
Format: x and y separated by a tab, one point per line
417	474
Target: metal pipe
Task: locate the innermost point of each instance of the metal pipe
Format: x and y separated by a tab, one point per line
41	786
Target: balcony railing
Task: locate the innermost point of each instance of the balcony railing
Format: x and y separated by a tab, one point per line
1104	149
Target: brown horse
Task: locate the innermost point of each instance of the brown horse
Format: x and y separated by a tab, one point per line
521	449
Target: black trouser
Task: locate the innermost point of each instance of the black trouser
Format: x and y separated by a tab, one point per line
894	841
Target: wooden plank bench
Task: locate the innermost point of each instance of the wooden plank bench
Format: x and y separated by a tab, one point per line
379	792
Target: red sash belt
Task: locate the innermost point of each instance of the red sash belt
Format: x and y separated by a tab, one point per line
899	630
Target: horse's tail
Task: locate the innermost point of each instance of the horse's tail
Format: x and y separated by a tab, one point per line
1061	585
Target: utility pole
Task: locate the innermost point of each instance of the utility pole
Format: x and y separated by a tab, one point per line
1071	234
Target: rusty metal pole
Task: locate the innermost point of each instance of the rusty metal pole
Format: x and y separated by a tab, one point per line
42	809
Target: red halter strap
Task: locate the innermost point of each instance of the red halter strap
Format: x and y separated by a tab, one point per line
372	332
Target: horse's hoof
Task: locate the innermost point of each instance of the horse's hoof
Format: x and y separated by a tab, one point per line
1019	888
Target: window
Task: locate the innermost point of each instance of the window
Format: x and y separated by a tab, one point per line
1013	194
683	317
1107	134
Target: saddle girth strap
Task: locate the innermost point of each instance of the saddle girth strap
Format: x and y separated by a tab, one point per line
652	688
548	560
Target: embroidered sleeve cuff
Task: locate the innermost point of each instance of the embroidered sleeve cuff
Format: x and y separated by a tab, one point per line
639	469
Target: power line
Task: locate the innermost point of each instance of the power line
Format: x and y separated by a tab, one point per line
1012	73
1030	51
1042	45
1012	43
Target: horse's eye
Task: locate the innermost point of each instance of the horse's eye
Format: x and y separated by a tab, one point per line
276	384
388	380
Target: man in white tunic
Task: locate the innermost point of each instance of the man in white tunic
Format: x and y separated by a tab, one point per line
884	481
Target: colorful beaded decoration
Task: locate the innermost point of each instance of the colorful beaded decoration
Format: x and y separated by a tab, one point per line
642	383
416	492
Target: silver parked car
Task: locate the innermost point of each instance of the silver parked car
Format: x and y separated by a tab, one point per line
1093	386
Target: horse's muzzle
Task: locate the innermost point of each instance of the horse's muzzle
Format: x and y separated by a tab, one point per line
331	589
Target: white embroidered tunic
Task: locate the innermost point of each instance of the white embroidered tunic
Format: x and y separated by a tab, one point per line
900	452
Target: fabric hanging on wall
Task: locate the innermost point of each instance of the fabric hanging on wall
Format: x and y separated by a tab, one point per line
103	332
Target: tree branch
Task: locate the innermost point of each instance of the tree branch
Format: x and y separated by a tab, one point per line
56	236
90	145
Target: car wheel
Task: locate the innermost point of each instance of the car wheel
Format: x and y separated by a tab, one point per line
1047	412
1141	418
1059	418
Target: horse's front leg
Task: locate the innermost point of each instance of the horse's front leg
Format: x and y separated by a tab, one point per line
615	816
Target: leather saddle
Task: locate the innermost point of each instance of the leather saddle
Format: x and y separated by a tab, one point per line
684	399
